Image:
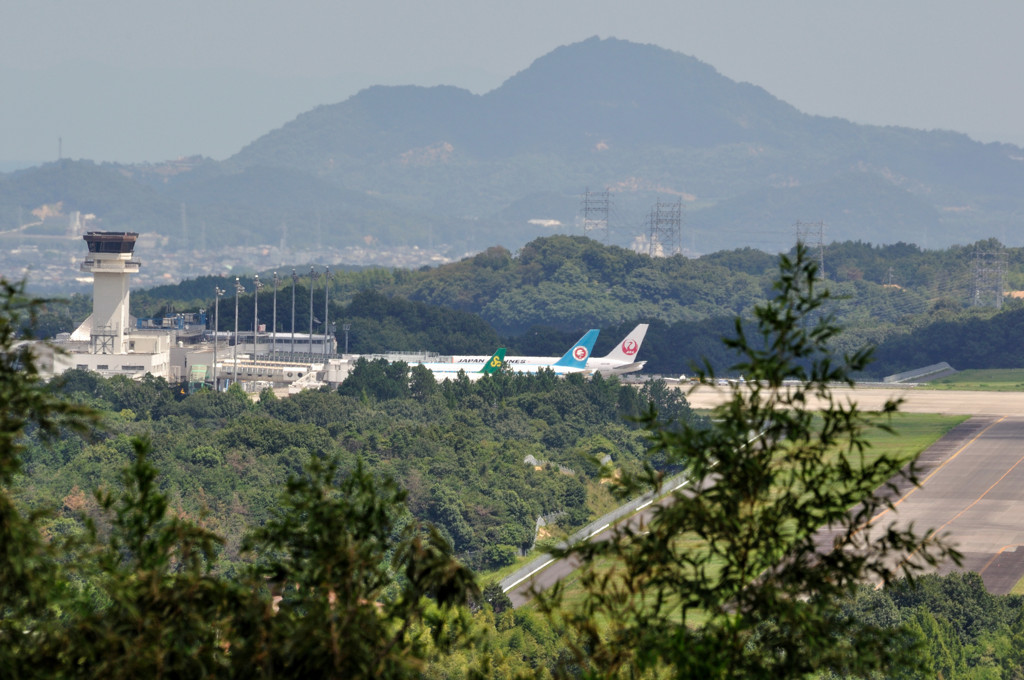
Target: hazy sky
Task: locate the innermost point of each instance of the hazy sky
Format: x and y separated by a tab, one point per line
140	80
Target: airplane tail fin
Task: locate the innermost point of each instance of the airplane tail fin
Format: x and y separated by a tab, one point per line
627	350
578	354
494	364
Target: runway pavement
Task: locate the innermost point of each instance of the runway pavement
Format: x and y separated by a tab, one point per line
974	495
972	479
966	402
972	486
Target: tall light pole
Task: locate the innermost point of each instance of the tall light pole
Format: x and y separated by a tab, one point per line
217	293
238	289
295	279
327	286
256	285
273	352
346	327
312	278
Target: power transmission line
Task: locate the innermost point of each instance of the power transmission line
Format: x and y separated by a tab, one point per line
594	209
812	234
664	229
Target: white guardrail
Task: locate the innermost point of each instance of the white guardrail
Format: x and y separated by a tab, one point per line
594	528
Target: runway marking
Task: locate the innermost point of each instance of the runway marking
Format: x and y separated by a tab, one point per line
993	559
934	472
985	493
977	500
545	565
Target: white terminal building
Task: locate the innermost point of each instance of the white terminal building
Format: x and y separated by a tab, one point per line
180	348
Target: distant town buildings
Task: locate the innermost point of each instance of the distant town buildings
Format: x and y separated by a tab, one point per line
46	261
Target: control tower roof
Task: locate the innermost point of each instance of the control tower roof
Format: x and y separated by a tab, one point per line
111	241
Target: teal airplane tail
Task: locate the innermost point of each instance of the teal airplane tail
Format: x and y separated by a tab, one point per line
578	354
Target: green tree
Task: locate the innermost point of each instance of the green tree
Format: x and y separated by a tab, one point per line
379	379
158	610
366	592
29	574
735	577
345	612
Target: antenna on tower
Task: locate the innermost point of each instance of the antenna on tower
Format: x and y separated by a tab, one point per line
594	209
664	229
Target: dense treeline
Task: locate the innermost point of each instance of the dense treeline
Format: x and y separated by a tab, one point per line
882	295
541	299
963	340
962	630
262	545
481	460
327	574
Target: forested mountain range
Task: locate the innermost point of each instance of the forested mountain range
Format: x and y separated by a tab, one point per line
444	169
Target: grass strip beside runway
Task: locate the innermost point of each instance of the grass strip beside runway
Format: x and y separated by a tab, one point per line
913	433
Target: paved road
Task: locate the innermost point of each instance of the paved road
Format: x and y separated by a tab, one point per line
973	481
555	570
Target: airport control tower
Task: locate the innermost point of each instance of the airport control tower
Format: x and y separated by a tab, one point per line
110	262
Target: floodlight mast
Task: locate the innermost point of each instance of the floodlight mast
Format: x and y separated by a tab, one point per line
217	293
327	286
312	278
238	289
256	285
295	280
273	351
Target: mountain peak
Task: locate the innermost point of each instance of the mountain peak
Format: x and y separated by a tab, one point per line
612	62
632	94
393	164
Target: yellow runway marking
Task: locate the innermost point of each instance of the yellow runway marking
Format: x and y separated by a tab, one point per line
1001	551
978	499
969	506
936	471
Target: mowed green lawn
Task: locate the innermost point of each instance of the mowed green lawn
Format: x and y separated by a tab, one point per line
990	380
913	433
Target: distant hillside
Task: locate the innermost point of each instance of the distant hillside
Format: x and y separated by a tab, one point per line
918	306
441	167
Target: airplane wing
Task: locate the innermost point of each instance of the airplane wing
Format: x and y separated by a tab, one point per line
622	368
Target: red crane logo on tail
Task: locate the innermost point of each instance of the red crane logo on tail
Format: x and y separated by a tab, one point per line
629	347
580	352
